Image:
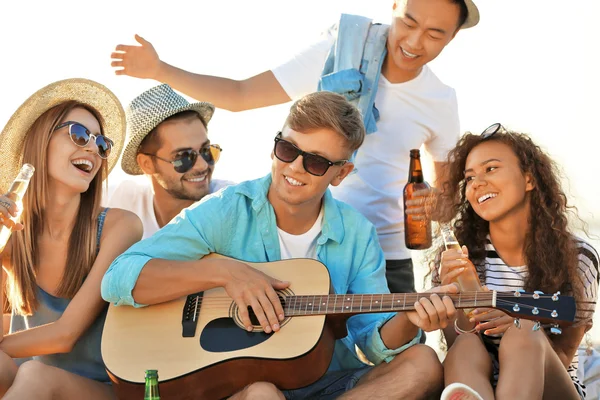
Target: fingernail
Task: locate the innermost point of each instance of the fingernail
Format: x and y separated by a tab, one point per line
486	332
461	269
281	317
472	320
268	329
249	329
276	327
475	311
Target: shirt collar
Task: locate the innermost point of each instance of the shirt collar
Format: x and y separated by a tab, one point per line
333	227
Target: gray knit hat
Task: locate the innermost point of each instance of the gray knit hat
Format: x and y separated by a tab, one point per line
147	111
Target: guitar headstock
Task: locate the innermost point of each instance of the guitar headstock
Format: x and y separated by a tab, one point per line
553	309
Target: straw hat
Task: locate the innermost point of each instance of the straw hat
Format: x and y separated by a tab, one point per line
473	15
84	91
147	111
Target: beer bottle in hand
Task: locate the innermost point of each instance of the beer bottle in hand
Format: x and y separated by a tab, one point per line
417	232
151	391
16	192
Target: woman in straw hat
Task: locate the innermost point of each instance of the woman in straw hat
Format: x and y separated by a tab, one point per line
72	132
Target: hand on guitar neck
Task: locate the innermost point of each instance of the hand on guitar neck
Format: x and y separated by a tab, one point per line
430	314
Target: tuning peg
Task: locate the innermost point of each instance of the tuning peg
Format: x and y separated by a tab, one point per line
536	294
518	292
555	296
517	323
536	326
555	329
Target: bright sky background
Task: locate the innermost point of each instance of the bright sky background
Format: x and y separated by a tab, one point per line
530	64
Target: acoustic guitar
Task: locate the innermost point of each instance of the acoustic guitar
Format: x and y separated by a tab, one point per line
202	351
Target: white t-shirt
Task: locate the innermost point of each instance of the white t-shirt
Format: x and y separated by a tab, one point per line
301	246
136	195
421	111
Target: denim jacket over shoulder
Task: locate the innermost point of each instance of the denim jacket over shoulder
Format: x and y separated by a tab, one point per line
239	222
353	65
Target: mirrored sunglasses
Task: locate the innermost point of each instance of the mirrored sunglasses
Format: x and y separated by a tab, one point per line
492	130
187	158
81	136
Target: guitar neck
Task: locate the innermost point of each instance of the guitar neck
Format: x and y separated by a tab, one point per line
372	303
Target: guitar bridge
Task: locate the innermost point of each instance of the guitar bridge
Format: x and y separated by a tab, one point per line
191	311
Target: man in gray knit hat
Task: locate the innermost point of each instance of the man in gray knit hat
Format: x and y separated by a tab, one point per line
166	141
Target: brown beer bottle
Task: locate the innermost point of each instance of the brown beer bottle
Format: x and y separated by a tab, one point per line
417	233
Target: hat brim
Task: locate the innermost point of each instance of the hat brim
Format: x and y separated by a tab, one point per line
472	16
85	91
129	160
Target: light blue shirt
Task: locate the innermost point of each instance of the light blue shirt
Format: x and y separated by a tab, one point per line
239	222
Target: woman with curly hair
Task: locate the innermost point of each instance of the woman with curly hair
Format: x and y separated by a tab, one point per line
509	211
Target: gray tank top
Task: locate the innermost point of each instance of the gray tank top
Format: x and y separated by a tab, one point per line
85	359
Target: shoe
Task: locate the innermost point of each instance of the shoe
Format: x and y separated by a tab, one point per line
459	391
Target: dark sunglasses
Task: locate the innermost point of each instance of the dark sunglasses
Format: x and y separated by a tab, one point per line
313	164
187	158
81	136
492	130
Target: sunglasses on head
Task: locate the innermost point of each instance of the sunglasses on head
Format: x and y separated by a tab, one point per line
186	159
314	164
80	135
492	130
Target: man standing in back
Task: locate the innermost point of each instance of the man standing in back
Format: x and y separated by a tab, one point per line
167	142
383	71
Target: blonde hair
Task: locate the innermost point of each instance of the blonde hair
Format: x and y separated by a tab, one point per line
81	253
328	110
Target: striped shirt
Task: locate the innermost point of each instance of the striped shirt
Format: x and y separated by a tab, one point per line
501	277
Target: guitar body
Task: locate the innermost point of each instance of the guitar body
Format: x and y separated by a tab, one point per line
221	358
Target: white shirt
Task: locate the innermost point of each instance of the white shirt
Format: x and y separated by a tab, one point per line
413	113
136	195
301	246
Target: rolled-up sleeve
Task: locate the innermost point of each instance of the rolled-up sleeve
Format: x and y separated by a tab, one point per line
121	277
365	328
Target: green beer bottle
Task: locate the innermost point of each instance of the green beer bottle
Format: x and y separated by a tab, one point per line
151	392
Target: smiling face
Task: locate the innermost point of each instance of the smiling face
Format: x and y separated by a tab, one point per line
175	137
419	32
496	187
68	164
292	185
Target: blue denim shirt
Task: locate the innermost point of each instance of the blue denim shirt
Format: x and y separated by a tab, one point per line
239	222
353	65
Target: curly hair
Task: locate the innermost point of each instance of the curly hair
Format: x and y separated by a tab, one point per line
549	249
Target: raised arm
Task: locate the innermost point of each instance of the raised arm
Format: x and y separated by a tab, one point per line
143	62
121	229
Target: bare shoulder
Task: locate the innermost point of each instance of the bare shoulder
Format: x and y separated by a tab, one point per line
122	223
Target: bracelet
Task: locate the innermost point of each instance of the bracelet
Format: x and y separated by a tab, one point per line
460	331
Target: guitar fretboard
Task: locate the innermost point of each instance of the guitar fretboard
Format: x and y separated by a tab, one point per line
369	303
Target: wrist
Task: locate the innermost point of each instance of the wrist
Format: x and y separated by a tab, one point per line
461	329
162	72
214	270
